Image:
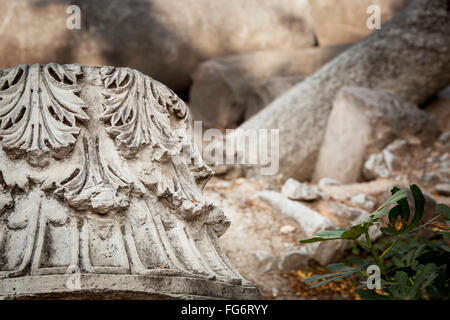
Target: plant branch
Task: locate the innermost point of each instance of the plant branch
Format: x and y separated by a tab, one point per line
364	274
389	248
425	224
374	254
362	245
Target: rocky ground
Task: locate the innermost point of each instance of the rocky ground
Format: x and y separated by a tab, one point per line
264	233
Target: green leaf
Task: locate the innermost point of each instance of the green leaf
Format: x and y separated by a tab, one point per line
336	275
402	289
402	278
425	274
354	232
343	275
405	212
329	234
374	217
394	190
411	256
403	207
324	235
388	230
443	210
419	204
440	290
400	194
394	213
379	214
358	261
339	267
315	239
424	277
407	269
322	276
429	279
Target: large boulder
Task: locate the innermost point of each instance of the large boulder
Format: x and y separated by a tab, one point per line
338	22
409	56
262	92
228	90
229	105
163	38
362	122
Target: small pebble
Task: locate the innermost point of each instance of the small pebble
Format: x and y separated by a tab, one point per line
287	229
328	182
443	189
275	292
369	205
359	199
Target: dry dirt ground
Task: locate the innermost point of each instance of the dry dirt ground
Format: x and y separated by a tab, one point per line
255	226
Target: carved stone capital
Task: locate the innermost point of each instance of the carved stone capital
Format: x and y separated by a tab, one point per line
100	179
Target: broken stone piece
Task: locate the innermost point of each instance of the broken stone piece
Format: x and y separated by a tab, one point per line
429	177
375	167
106	184
295	190
443	189
228	90
359	199
322	253
444	138
328	182
308	220
287	229
362	122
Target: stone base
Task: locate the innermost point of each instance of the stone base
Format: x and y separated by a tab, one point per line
109	286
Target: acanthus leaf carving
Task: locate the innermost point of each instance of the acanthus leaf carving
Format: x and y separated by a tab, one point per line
39	107
97	186
138	111
168	99
141	111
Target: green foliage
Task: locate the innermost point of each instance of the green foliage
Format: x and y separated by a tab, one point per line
342	271
412	267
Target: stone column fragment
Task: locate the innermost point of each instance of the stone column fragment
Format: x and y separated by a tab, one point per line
101	190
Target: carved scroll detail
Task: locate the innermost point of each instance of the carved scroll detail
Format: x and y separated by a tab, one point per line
38	110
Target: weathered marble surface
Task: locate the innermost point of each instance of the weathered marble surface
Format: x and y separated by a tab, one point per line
100	176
